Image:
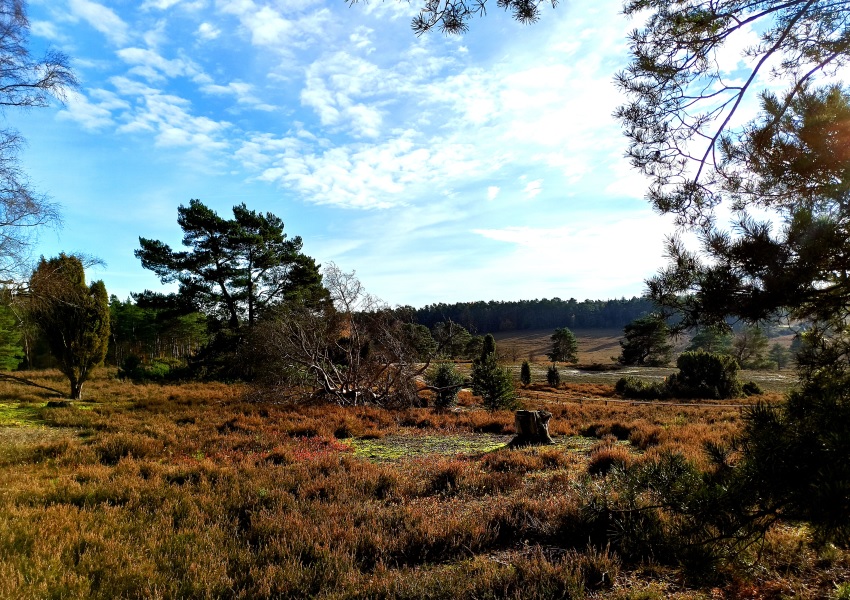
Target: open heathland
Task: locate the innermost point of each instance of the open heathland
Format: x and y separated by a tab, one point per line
189	491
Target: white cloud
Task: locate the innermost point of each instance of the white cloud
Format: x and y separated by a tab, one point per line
270	28
243	92
45	29
153	67
157	36
92	115
208	32
533	189
103	19
335	84
492	192
169	118
361	39
159	4
365	176
603	257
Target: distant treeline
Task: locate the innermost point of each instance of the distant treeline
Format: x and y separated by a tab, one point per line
496	316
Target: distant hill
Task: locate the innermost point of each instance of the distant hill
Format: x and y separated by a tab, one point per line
501	316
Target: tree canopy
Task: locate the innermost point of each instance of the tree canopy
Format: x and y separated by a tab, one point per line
646	342
73	316
682	118
234	269
452	16
564	346
791	162
25	81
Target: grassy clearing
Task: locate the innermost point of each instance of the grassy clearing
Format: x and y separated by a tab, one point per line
187	491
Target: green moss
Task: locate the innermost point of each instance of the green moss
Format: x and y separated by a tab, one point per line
14	414
397	447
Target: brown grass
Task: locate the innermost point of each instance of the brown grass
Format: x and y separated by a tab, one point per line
187	491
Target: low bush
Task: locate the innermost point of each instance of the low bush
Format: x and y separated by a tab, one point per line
705	375
447	380
606	456
632	387
553	377
158	369
701	375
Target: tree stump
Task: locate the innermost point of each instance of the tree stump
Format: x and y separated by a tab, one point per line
532	428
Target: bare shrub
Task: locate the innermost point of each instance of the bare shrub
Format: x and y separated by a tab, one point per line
351	350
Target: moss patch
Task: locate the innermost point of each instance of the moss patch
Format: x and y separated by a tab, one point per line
14	414
398	447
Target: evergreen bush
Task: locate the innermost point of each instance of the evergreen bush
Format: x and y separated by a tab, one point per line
701	375
553	377
705	375
525	373
493	383
448	380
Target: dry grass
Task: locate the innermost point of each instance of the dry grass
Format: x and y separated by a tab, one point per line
186	491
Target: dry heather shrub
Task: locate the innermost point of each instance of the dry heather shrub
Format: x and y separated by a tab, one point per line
523	577
111	448
599	568
615	429
516	461
51	450
445	477
555	459
643	435
606	455
417	418
466	398
481	421
543	518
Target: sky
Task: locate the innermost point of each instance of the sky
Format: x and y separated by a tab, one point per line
486	166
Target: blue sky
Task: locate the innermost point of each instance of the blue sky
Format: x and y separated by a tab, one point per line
480	167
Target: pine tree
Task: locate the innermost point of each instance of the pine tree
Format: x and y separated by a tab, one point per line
711	339
750	348
553	377
780	355
73	316
564	346
447	379
525	373
646	342
491	381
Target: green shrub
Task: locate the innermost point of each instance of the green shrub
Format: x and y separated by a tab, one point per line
632	387
494	383
448	380
701	375
158	369
705	375
751	388
553	377
525	373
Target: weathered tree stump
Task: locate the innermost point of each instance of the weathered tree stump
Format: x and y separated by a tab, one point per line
532	428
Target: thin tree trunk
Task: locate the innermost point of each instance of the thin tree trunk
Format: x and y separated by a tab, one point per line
76	389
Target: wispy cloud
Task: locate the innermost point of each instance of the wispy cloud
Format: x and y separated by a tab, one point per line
150	65
46	29
169	118
102	18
